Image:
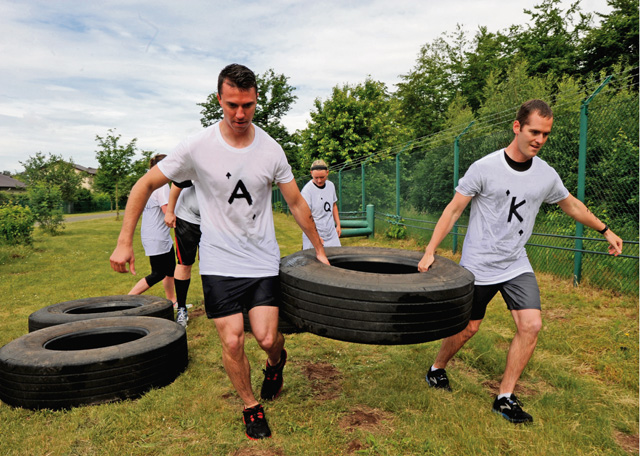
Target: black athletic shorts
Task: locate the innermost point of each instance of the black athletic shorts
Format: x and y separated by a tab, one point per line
224	296
521	292
163	264
187	236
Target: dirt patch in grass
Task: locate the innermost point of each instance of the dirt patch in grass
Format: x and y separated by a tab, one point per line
326	380
366	419
628	443
257	452
560	315
195	313
354	446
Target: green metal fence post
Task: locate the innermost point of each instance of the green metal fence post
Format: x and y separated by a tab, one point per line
582	171
363	183
371	220
340	188
456	172
398	185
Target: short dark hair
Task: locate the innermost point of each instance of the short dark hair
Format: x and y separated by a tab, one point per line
237	75
154	160
531	106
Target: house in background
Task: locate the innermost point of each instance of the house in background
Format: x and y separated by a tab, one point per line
9	184
87	175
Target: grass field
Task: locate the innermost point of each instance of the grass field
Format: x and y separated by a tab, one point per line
581	385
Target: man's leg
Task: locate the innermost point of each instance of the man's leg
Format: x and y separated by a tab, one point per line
169	288
452	344
140	287
528	325
182	280
264	326
231	333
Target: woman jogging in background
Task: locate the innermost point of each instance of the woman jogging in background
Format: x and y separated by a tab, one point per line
157	242
320	195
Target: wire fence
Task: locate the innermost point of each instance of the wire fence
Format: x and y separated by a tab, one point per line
593	147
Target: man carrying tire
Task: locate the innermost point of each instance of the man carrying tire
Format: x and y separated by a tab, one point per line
232	165
506	189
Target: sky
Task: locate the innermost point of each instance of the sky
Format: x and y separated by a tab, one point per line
71	70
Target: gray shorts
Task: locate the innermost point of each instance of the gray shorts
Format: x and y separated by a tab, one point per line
519	293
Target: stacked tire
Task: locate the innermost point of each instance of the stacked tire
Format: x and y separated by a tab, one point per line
375	295
93	351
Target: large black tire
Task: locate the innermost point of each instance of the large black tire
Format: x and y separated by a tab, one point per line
375	295
91	362
101	307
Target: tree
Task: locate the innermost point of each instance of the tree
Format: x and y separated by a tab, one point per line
550	42
355	122
115	165
52	171
427	89
491	53
275	99
615	41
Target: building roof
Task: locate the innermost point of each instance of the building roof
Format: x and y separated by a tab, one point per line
10	182
85	169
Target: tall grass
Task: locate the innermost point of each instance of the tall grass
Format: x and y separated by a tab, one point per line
339	398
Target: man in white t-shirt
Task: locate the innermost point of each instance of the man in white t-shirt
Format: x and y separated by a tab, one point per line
157	242
232	165
320	195
506	189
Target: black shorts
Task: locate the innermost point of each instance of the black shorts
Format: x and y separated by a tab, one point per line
521	292
162	266
224	296
187	236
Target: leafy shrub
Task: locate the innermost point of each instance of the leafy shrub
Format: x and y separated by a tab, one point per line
20	197
45	202
397	229
16	224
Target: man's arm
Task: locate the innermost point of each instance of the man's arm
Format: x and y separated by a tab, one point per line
449	216
170	213
138	197
301	212
576	209
336	218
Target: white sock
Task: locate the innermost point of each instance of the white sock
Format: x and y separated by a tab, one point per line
500	396
432	368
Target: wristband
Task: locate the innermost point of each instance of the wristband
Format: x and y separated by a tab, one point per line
603	230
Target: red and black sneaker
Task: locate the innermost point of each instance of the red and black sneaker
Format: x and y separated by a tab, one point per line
256	423
272	384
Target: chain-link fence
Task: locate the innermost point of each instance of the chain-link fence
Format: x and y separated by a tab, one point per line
594	148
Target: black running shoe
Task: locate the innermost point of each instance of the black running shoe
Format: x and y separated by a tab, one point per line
511	409
254	419
438	379
272	384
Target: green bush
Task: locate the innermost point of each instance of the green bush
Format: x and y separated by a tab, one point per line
45	202
20	197
16	224
397	229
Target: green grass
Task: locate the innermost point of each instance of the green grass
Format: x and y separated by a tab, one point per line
581	385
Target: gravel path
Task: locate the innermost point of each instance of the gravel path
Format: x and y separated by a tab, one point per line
79	218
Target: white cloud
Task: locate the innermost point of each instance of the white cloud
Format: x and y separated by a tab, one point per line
72	70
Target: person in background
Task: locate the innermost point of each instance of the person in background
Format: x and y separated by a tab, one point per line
157	242
183	214
320	195
506	189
